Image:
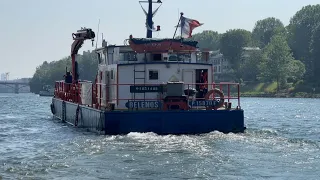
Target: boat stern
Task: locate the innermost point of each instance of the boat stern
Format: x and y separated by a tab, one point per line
175	122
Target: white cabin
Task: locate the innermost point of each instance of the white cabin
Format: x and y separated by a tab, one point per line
120	67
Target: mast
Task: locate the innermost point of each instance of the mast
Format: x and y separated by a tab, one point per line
149	14
149	19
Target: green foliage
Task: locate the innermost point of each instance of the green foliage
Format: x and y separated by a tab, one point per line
208	40
266	28
260	87
300	30
296	70
277	64
48	73
302	86
232	43
249	68
315	54
271	88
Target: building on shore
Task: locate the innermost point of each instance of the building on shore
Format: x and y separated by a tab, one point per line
4	76
221	66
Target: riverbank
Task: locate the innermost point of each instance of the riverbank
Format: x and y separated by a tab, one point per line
268	90
280	95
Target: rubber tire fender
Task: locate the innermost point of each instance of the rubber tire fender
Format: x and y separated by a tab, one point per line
53	111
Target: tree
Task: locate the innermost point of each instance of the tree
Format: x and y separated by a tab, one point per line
266	28
315	54
208	40
277	64
48	73
231	46
88	66
300	34
296	70
250	66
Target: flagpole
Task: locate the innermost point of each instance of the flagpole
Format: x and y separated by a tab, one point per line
181	14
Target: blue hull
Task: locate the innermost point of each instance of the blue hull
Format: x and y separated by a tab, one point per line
160	122
174	122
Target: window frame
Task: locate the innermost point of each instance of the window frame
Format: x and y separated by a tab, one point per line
152	70
111	74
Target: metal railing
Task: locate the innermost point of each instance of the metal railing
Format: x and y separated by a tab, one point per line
102	95
68	91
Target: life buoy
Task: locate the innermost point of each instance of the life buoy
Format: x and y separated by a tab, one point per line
53	111
220	102
76	121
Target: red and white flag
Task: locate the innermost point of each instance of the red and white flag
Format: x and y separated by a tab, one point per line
187	25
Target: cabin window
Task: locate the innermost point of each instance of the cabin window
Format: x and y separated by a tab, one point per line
185	57
157	57
153	74
99	58
104	58
111	74
129	56
173	58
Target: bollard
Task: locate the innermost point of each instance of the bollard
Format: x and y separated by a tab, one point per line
226	105
229	105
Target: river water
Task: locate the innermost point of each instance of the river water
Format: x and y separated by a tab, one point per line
282	142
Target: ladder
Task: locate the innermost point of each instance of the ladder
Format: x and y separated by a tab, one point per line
139	75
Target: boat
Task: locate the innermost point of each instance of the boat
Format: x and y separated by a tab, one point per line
164	86
47	91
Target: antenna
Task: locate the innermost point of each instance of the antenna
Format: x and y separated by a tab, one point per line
102	37
98	34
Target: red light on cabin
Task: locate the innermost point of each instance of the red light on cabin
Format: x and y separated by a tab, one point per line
158	28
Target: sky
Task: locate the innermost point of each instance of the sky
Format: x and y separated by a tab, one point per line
33	31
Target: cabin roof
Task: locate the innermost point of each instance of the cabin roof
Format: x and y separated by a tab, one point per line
122	48
155	40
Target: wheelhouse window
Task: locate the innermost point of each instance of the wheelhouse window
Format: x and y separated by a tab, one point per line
104	58
153	75
184	57
129	56
173	58
157	57
100	58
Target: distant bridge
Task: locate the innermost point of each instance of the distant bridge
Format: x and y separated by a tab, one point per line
16	85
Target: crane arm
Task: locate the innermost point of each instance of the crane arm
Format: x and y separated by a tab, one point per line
79	37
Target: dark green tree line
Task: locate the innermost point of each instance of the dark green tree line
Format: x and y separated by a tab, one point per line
48	73
303	40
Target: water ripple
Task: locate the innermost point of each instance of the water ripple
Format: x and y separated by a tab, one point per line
281	142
